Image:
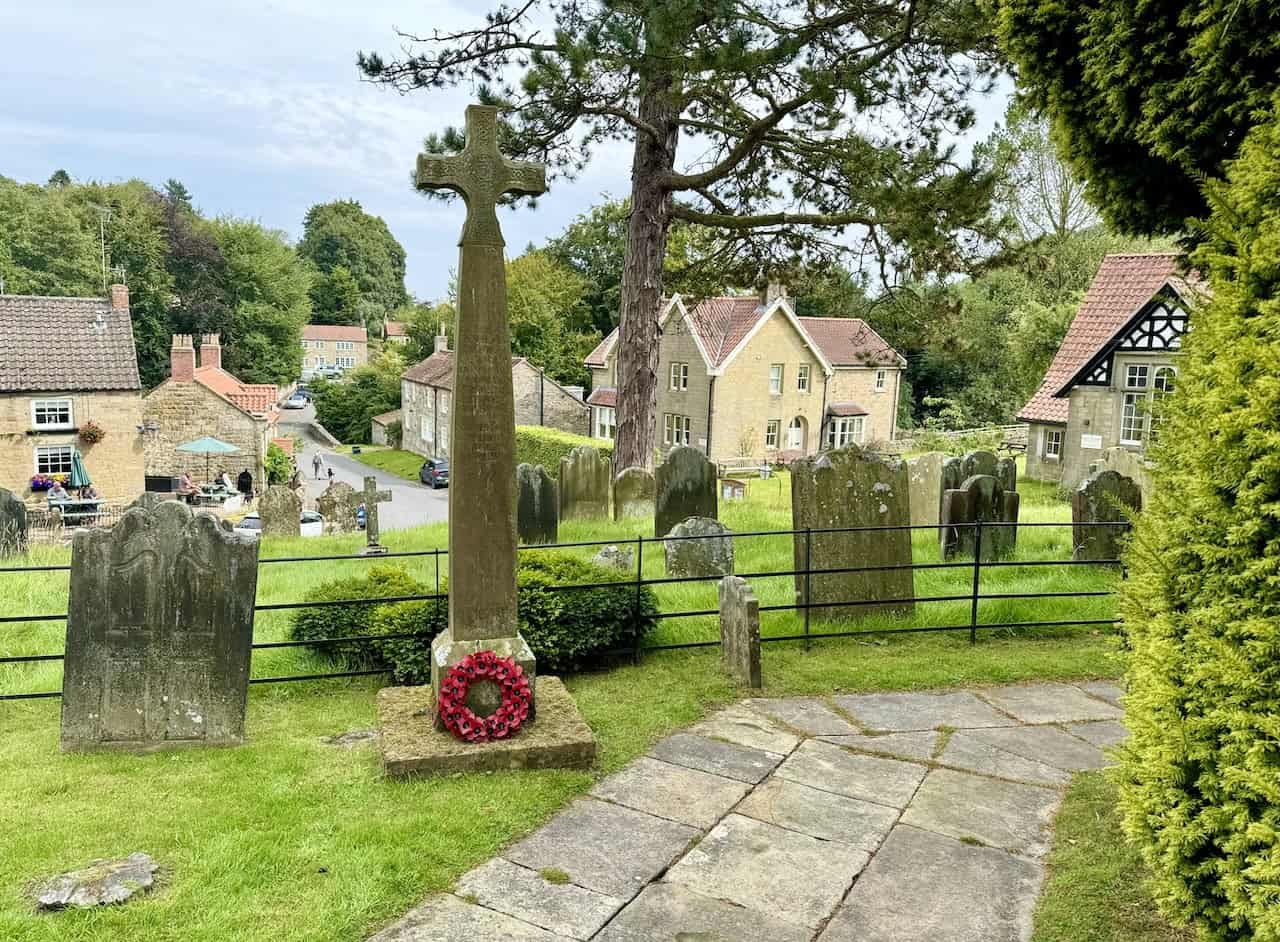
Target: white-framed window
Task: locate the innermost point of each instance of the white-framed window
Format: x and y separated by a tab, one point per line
54	459
306	344
775	379
679	375
882	380
771	431
1053	443
604	422
444	437
428	434
802	377
1133	418
1144	386
345	344
319	359
1135	377
444	403
346	363
795	434
52	414
844	430
676	429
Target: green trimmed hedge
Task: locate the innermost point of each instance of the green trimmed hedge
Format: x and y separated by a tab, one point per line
1200	775
351	621
546	446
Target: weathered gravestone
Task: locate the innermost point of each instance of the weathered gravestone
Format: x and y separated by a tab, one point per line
980	499
1007	473
13	524
338	506
280	512
371	497
633	493
699	546
980	462
615	557
1102	498
537	512
925	476
585	476
685	486
1130	463
159	627
952	477
740	632
148	500
847	488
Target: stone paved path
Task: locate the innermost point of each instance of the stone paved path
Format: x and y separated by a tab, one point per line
903	817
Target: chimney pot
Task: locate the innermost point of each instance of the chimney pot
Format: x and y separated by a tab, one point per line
119	297
182	359
211	351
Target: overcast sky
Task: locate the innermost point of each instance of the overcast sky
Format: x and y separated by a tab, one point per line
257	106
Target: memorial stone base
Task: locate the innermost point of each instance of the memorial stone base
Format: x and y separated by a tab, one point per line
484	698
411	743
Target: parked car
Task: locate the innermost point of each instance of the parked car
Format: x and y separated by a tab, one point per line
296	401
311	523
434	472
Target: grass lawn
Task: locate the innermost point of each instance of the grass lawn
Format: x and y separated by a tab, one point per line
286	838
405	464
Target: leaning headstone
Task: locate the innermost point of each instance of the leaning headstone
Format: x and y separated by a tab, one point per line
980	499
740	632
633	493
615	557
13	524
925	476
280	512
159	627
847	488
338	506
537	512
699	546
102	883
585	475
1102	498
685	486
1007	473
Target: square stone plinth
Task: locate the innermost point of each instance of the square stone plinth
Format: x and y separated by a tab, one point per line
482	698
558	738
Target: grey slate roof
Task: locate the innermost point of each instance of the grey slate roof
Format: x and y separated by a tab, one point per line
65	345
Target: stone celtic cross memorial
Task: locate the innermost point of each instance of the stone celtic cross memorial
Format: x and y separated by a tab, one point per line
482	486
159	626
372	497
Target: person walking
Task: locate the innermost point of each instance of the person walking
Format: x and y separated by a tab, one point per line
316	464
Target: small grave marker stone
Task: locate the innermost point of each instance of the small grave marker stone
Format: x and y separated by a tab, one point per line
699	546
338	507
925	476
740	632
280	512
1103	497
13	524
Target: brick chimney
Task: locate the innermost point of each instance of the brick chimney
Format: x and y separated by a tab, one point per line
442	343
182	359
211	351
119	297
773	291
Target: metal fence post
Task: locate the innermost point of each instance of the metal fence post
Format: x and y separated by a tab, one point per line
436	554
977	575
808	582
635	609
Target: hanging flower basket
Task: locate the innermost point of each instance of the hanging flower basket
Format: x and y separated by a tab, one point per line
91	433
461	720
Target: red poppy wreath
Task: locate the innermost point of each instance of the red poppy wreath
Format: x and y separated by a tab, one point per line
461	720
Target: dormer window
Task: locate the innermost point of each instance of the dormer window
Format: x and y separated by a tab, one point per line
51	414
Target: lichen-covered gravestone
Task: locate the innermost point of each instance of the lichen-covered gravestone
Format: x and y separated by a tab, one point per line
1131	464
615	557
925	475
847	488
1007	473
585	476
280	512
13	524
159	627
740	632
981	498
685	487
699	546
633	493
338	506
1102	498
952	477
537	512
148	500
980	462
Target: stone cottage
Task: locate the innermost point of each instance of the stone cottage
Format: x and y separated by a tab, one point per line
336	347
427	388
744	378
196	401
1118	357
66	363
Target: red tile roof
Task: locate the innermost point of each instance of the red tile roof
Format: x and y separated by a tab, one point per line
721	324
850	341
437	370
600	355
258	398
396	329
65	345
284	444
1123	284
603	396
334	332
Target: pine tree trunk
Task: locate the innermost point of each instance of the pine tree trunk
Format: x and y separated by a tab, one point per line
642	282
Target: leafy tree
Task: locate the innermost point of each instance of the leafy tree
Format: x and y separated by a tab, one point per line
198	269
1147	99
59	178
550	324
423	324
342	234
346	407
44	249
279	465
177	194
809	118
1201	608
335	297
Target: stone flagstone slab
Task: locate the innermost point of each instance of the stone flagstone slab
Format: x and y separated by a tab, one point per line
820	814
738	724
1103	690
791	876
445	918
1105	735
603	847
917	746
1047	744
718	758
563	908
1012	817
870	778
807	714
665	912
965	752
1051	703
698	799
924	887
894	712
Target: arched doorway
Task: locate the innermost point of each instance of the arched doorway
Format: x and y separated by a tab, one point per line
797	434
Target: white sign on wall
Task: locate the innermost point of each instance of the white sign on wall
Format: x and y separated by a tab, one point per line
1090	441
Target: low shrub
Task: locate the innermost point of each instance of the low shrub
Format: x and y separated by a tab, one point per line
351	621
546	446
408	658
